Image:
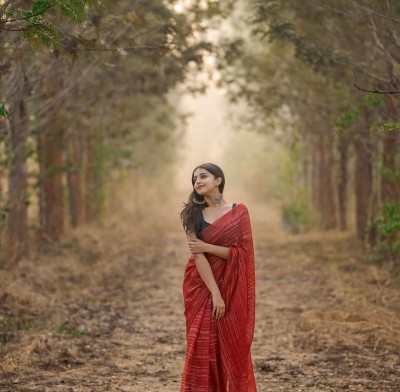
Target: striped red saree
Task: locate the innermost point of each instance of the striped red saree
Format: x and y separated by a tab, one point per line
218	355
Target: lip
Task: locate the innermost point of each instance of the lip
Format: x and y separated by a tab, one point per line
199	186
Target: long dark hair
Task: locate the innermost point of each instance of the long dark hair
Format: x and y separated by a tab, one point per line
191	214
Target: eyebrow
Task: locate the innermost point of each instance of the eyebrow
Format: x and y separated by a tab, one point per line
200	174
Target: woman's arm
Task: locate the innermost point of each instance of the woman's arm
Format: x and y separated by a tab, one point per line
206	274
197	246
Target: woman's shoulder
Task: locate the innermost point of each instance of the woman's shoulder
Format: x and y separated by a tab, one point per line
240	206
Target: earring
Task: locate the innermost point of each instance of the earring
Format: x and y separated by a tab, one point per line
198	201
216	199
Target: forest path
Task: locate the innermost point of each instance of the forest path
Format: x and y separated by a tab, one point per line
105	313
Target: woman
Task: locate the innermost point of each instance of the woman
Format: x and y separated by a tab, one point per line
218	288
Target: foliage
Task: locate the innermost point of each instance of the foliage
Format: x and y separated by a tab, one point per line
35	25
306	81
371	100
356	108
4	111
95	83
387	127
332	47
388	248
297	215
389	223
346	119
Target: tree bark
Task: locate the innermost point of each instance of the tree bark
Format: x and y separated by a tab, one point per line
17	222
51	182
326	195
74	180
390	186
3	207
94	180
343	148
315	176
363	183
51	158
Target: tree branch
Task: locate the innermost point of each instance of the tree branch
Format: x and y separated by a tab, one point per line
366	9
29	16
98	49
375	91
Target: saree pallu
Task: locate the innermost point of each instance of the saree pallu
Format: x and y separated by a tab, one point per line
218	357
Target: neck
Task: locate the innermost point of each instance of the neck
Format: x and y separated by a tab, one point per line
211	203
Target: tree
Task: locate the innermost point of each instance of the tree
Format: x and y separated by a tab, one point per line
98	95
305	75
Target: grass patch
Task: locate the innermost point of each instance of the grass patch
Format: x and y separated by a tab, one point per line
64	329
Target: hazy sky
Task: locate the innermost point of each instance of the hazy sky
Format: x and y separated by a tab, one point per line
206	135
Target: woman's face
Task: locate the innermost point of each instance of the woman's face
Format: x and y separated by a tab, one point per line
204	182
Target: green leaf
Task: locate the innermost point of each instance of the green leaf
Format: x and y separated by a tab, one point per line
75	10
40	8
372	100
4	111
345	120
43	36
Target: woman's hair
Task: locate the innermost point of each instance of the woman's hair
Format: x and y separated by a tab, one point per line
191	214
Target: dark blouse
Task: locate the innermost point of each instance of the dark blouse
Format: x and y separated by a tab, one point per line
204	224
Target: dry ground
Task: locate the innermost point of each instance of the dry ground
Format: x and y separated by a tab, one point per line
104	312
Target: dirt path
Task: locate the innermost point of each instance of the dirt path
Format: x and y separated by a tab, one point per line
104	313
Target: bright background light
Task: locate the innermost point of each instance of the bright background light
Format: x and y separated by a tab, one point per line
178	8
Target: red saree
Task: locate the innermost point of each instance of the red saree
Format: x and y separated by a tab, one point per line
218	355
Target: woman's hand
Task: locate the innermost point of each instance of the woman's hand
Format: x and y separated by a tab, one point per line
197	246
218	305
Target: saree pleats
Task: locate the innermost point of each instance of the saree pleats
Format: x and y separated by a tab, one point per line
218	355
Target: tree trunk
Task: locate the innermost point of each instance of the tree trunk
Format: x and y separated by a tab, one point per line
343	148
74	180
94	180
51	182
18	178
51	158
314	176
363	177
389	176
326	199
305	170
3	207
